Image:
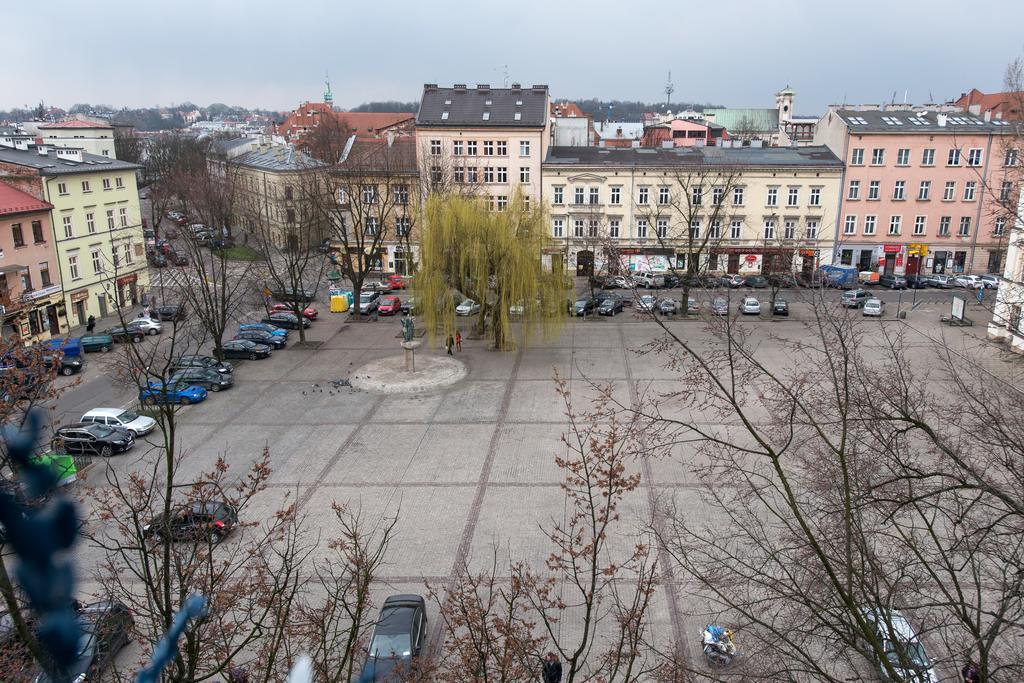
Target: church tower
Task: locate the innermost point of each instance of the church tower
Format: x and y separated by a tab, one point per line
328	96
784	103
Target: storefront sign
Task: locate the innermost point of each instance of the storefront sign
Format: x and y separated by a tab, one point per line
892	248
127	279
750	264
917	249
80	295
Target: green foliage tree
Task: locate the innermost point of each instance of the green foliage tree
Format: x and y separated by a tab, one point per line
494	258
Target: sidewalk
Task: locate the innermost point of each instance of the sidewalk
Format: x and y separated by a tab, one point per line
111	320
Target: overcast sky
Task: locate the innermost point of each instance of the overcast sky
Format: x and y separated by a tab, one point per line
274	54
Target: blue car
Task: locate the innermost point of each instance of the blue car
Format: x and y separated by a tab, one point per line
173	392
264	327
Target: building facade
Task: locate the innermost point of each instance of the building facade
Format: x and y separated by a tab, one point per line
752	210
91	137
924	191
493	139
96	224
31	301
1008	313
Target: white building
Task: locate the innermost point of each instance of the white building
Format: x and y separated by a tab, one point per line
1007	322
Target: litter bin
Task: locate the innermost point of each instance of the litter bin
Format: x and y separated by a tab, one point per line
339	304
351	299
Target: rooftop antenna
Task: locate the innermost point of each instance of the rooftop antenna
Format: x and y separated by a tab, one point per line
669	89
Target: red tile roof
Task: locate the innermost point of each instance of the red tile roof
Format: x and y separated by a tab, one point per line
567	109
13	201
75	124
1006	103
365	124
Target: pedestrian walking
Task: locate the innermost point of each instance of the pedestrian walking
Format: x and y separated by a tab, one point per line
449	343
458	340
90	324
970	673
552	670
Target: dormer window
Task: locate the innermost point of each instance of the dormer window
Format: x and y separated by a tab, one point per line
447	101
518	115
444	116
519	103
487	116
487	102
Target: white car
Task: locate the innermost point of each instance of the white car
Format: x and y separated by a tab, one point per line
750	306
467	307
646	303
147	325
874	307
969	281
116	417
990	281
903	648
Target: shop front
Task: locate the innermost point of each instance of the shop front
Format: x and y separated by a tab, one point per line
893	260
861	256
79	300
947	262
917	255
128	290
37	316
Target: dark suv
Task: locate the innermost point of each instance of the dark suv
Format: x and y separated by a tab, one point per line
892	281
125	334
211	380
92	439
205	363
211	520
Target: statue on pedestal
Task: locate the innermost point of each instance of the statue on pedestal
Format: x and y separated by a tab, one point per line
408	329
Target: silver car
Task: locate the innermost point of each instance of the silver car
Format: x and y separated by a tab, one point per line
146	325
467	307
874	308
720	306
646	304
750	306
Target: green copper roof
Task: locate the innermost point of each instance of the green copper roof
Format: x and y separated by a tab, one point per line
746	120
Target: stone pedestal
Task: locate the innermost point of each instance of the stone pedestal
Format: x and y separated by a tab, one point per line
410	354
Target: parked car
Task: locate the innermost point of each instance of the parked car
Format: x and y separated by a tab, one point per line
719	306
621	282
780	307
942	281
261	337
903	648
692	305
649	280
389	305
286	321
169	313
125	334
211	380
584	306
177	258
874	307
646	304
668	306
755	282
309	313
63	363
398	638
106	627
245	348
67	365
138	425
750	306
396	281
378	287
204	363
156	259
156	392
610	306
88	438
302	296
671	281
368	301
892	281
147	326
264	327
200	521
854	298
97	342
783	281
467	307
969	281
918	281
990	281
733	281
409	306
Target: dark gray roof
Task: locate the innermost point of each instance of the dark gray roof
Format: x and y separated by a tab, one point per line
223	146
277	158
462	106
51	164
876	121
769	157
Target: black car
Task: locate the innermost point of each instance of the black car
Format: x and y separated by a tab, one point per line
177	258
261	337
211	380
156	259
90	438
245	348
782	281
755	282
397	639
892	281
409	306
780	307
918	281
170	313
66	365
287	321
610	306
671	281
205	363
125	334
584	307
106	628
200	521
302	296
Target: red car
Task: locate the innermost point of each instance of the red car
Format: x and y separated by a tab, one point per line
396	281
309	312
389	305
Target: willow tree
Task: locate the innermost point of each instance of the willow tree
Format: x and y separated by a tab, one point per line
492	257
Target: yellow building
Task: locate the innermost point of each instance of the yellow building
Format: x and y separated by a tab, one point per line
97	225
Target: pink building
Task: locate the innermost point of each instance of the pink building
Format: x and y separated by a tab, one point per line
683	133
924	192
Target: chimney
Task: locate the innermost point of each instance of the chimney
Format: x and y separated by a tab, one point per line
483	86
974	109
21	143
516	86
460	86
988	115
430	86
940	119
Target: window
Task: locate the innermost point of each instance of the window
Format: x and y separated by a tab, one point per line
854	192
789	229
524	174
613	227
44	274
106	184
662	227
97	261
812	230
90	222
869	224
815	199
401	194
793	198
903	157
641	227
403	227
502	202
965	226
559	195
435	148
85	186
697	193
857	156
715	231
68	229
928	157
471	174
62	188
944	226
73	267
769	229
471	147
435	177
289	214
850	226
457	148
577	227
1005	190
595	195
19	239
899	190
734	229
974	157
969	188
578	195
954	157
288	193
503	174
1009	160
127	249
123	216
370	194
716	195
524	148
919	224
949	193
460	174
663	195
616	195
924	190
644	195
1000	227
488	148
878	156
558	227
342	196
737	196
488	174
894	225
694	229
502	148
37	232
372	226
119	182
773	197
874	189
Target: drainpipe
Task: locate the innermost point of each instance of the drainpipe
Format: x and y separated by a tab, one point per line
839	204
981	202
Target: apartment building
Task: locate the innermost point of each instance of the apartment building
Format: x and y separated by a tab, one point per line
90	136
492	139
924	191
96	223
751	209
